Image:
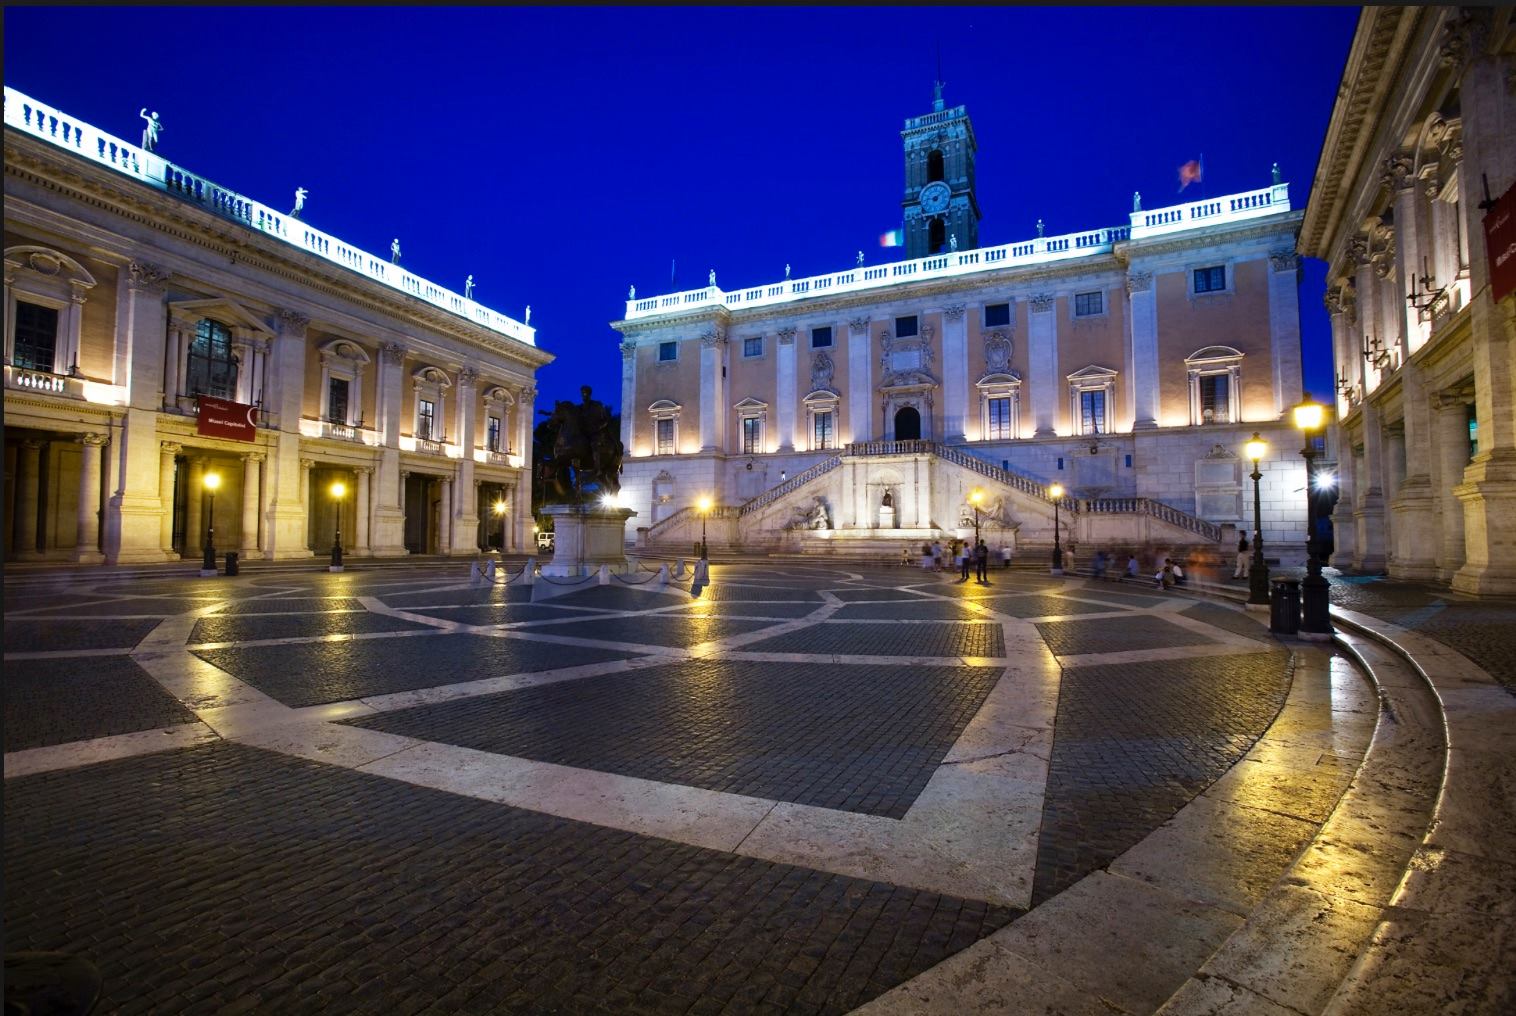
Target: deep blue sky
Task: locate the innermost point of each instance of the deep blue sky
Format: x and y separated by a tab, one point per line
561	155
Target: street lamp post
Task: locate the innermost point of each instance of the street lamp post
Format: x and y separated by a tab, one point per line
1055	494
500	514
212	481
1258	574
338	489
976	496
1314	589
704	504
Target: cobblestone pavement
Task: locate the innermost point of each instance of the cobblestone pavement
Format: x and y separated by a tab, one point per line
431	794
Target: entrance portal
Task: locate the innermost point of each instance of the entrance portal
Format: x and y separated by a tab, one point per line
908	425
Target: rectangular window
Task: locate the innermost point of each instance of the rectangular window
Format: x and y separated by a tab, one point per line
426	417
336	399
1000	419
492	434
1086	304
668	352
36	336
1210	280
752	346
1215	404
1092	412
752	434
823	431
821	338
997	315
665	437
905	327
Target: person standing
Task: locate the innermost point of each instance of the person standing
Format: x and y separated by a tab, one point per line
1005	556
982	559
1244	559
963	556
937	555
1131	566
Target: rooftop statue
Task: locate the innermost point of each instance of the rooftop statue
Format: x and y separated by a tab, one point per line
586	452
395	251
468	288
151	131
300	194
528	315
631	293
713	278
952	241
1136	201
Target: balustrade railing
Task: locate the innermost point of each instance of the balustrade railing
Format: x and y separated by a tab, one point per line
691	515
39	120
798	480
1213	211
1155	509
430	447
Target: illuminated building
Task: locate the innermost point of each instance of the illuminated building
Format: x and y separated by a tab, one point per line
1128	363
160	328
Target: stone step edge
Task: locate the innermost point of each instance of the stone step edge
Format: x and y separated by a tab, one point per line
1357	812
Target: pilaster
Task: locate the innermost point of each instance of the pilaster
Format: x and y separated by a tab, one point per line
140	337
1412	511
1042	358
86	546
1142	303
787	395
251	463
1368	515
1284	329
860	391
712	412
629	409
133	513
955	372
167	467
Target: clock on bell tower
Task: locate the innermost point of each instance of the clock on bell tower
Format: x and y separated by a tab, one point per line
941	210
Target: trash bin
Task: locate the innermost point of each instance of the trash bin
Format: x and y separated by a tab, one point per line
1284	607
231	562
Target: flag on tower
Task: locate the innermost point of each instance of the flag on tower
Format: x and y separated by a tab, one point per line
1191	172
894	238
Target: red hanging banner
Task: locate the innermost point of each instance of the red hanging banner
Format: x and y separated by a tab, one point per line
231	420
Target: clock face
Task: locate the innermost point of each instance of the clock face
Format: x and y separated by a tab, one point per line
934	197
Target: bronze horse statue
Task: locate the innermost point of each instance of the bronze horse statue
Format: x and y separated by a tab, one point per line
586	452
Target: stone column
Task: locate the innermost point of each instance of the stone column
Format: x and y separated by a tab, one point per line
1410	249
1394	476
1368	515
1042	361
1142	300
86	546
194	506
629	407
1450	454
28	498
167	468
786	389
250	504
712	346
307	508
180	332
1284	329
1344	528
1488	491
1413	510
465	513
525	412
361	538
860	391
445	516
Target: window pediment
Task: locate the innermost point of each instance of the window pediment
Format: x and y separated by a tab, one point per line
343	349
1092	375
228	312
431	376
751	405
499	395
821	396
48	263
1214	356
999	380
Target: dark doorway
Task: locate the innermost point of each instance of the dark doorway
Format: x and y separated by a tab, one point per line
908	425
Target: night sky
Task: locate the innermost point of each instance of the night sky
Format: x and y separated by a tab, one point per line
561	155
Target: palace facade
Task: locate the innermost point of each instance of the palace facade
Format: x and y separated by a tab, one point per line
1418	168
179	357
1128	364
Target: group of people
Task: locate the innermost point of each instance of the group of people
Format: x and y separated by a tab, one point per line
964	555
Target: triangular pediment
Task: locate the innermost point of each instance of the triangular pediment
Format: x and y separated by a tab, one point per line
219	308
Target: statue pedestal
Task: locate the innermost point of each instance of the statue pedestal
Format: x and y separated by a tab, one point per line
886	518
586	537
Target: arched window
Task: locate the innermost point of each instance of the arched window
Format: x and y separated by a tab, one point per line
934	166
936	236
212	370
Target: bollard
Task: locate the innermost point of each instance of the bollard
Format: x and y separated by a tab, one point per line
1284	607
232	562
489	569
663	577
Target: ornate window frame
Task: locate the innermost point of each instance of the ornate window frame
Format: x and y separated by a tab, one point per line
1093	378
52	279
821	401
665	409
343	360
1229	269
430	383
752	409
251	342
1212	361
999	386
498	401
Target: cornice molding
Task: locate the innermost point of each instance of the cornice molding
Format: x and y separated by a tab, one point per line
76	180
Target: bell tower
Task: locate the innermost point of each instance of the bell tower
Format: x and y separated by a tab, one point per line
940	205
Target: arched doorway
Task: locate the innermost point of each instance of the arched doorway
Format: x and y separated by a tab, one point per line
908	424
936	236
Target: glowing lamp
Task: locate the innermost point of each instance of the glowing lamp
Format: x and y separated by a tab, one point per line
1255	449
1055	491
212	481
1308	415
338	489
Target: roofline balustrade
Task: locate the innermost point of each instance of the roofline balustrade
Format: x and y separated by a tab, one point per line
1233	208
39	120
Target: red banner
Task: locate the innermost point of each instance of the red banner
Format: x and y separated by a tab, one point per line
231	420
1500	244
